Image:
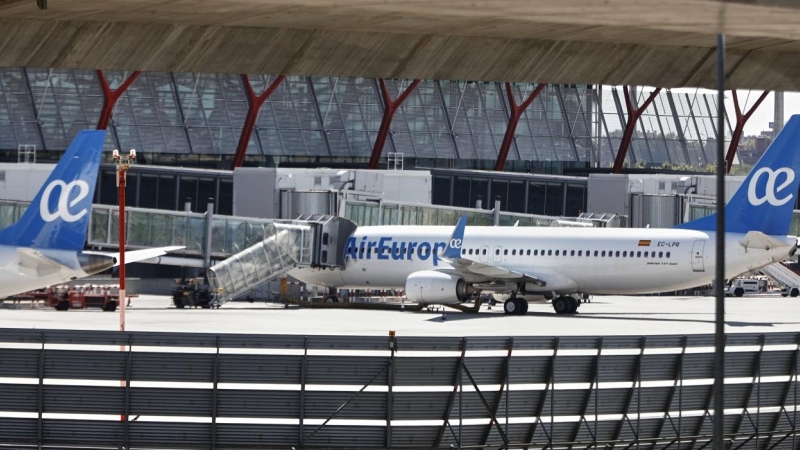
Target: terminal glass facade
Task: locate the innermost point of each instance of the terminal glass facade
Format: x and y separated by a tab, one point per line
196	119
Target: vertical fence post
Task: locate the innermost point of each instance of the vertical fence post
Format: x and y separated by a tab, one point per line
214	402
390	391
301	439
597	386
40	438
461	392
128	370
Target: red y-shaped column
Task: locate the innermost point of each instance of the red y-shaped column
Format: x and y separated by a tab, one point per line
110	97
741	120
513	120
256	102
388	114
630	126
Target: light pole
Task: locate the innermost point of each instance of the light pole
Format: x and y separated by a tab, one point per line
123	164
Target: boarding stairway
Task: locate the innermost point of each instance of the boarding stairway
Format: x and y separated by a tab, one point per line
783	276
309	241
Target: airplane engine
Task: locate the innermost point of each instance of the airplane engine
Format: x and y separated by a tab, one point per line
430	286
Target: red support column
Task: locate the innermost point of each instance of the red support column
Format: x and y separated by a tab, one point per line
630	126
388	114
513	120
741	120
256	102
110	97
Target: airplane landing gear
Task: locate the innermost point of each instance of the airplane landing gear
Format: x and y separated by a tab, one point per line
515	306
565	304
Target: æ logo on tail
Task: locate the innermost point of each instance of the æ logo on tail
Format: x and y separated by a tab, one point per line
64	203
770	190
455	243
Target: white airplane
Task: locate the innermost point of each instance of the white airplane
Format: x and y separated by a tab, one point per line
443	265
46	246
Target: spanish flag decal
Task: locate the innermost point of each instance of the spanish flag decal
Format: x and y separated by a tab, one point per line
644	243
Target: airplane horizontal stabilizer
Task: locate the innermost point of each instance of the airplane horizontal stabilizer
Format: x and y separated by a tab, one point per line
141	255
33	260
759	240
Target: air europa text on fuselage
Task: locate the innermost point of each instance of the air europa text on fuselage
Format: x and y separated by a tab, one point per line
386	248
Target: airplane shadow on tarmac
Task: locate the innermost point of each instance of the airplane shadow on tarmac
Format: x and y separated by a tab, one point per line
454	316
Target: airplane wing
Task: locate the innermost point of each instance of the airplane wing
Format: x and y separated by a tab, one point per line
452	255
140	255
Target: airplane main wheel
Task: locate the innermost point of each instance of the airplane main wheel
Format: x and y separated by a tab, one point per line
523	304
110	306
561	305
62	305
573	305
794	292
511	306
738	292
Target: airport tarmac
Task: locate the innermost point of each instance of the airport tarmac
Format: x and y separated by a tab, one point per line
606	315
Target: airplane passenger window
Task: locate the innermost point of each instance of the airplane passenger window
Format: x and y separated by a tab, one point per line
470	251
514	252
660	254
638	254
484	251
497	251
529	252
536	253
595	253
549	253
667	254
645	254
618	254
505	252
572	253
556	252
603	253
580	252
624	254
463	251
564	252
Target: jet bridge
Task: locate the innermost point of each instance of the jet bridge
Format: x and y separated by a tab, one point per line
310	241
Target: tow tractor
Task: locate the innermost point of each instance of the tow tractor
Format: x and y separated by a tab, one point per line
192	292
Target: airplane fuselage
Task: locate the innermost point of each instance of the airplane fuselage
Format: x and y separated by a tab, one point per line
568	260
21	274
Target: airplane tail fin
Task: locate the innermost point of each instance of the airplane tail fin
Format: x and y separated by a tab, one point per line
58	217
765	200
453	249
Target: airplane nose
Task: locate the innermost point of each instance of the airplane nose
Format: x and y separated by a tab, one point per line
92	264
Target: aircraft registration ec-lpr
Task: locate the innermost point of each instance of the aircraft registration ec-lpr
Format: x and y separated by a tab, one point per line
447	265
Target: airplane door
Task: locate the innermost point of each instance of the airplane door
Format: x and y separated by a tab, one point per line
484	256
697	256
497	254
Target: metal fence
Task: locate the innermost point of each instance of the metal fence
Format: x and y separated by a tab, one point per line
192	390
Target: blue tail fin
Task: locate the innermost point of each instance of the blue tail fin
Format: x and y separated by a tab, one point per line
453	249
764	202
59	215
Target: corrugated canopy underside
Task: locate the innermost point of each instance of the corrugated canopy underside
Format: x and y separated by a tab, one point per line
643	42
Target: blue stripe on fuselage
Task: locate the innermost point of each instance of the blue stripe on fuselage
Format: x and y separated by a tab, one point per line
385	248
